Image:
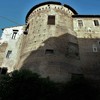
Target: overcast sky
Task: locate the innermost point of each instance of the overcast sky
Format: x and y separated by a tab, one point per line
13	12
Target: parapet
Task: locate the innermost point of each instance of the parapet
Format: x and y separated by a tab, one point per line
49	2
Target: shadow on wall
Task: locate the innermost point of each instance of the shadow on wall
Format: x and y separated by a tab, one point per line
60	57
56	57
89	49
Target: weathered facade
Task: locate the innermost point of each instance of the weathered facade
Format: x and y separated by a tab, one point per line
58	42
12	38
88	35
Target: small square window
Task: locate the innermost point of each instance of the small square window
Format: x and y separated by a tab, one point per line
49	51
96	22
51	20
4	70
95	49
8	53
80	23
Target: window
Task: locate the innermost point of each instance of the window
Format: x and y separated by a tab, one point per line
80	23
51	20
8	53
94	49
99	43
49	51
14	34
72	49
26	29
96	22
4	70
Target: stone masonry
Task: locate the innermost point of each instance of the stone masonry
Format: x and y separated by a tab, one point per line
57	42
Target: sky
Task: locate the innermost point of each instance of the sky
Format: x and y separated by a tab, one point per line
13	12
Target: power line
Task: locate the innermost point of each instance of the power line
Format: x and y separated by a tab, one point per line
10	20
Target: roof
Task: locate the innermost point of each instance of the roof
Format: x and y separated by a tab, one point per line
49	2
86	16
12	26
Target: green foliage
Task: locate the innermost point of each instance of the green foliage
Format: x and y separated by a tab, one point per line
24	85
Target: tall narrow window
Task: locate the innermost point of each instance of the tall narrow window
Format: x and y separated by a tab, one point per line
96	22
51	20
14	34
8	53
26	29
80	23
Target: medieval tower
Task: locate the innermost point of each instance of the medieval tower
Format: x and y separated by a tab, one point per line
59	43
50	36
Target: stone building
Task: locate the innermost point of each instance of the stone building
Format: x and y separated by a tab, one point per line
56	42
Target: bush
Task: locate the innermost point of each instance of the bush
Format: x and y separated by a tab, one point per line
24	85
